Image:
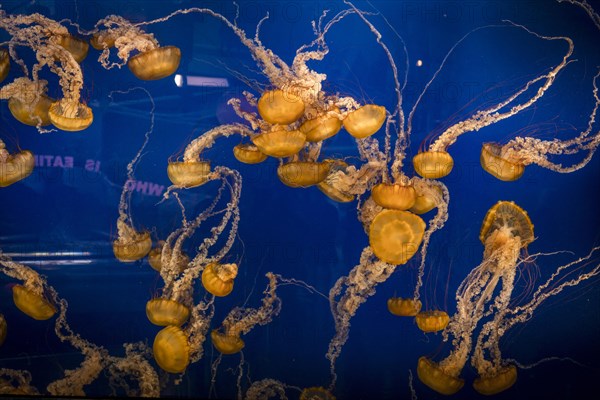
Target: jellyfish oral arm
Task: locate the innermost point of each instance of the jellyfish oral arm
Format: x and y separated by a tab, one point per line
207	140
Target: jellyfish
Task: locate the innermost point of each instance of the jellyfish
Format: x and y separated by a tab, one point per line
240	321
165	312
248	153
171	349
436	162
396	196
130	244
365	121
396	235
505	231
496	374
155	258
14	167
323	125
60	51
507	162
27	101
303	173
217	278
192	171
152	62
404	307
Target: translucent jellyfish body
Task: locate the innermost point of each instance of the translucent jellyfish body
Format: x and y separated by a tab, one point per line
365	121
404	307
509	217
164	312
394	196
432	321
218	279
100	41
280	107
15	167
74	45
188	174
316	393
248	154
3	329
70	115
395	235
132	248
433	164
495	163
330	190
155	64
303	173
154	259
32	304
496	383
425	202
280	142
432	375
320	128
4	64
31	113
171	350
226	344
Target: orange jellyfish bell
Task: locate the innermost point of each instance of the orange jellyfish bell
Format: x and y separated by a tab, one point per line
32	113
316	393
32	304
394	196
433	164
279	142
155	64
217	279
16	167
101	42
188	174
396	235
248	153
164	312
303	173
495	163
70	116
171	350
507	215
331	191
132	249
496	383
432	321
404	307
4	64
424	202
321	128
154	259
74	45
432	375
280	107
226	344
365	121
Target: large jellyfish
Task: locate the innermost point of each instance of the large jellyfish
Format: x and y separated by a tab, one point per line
505	231
61	52
14	167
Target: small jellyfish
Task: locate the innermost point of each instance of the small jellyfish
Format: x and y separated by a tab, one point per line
322	127
426	199
432	321
155	258
396	196
365	121
165	312
329	188
27	101
496	383
14	167
74	45
155	64
171	349
188	174
279	142
279	107
498	165
226	344
433	164
218	279
248	153
131	245
32	303
303	173
404	307
70	115
395	235
436	377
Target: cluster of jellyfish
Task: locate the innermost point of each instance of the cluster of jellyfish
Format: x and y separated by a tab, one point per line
290	121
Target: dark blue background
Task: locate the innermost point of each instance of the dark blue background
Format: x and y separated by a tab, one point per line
300	233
